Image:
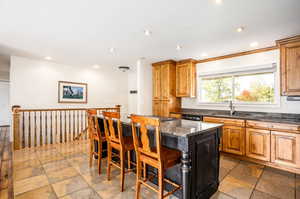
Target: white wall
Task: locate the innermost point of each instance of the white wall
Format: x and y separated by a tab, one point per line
140	79
34	84
283	106
144	71
4	103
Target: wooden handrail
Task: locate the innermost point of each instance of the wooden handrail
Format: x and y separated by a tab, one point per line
39	127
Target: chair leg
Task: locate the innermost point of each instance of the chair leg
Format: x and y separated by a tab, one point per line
144	170
99	156
128	159
91	151
108	161
161	183
122	160
138	177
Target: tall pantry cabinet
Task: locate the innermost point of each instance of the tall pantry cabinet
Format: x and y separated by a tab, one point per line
164	98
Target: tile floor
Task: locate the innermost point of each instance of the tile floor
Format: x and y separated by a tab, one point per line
62	171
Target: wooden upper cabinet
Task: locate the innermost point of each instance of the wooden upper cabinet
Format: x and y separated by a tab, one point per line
165	81
285	149
258	144
156	82
186	78
234	140
290	65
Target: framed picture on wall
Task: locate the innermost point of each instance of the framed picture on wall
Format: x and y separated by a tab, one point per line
72	92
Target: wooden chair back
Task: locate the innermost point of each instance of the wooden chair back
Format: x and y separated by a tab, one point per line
113	134
142	142
93	125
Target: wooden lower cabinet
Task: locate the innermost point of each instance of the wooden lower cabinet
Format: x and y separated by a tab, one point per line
258	144
161	108
234	140
164	110
285	149
156	107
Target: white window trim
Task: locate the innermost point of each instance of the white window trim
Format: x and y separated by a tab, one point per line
257	69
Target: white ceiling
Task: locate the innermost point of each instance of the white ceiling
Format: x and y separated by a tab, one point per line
81	32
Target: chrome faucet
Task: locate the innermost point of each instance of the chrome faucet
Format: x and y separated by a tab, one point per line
231	107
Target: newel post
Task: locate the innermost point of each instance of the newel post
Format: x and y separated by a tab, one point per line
118	106
16	126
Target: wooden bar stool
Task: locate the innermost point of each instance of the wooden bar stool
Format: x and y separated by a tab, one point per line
158	157
95	135
123	144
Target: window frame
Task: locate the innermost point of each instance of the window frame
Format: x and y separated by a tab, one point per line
233	74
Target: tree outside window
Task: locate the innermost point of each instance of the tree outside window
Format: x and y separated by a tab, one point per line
251	88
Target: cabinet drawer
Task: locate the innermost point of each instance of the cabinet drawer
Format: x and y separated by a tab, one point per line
257	124
175	115
225	121
294	128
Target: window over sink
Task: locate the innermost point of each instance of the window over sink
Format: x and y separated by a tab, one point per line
256	86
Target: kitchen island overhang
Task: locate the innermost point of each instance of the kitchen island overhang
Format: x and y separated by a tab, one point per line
198	142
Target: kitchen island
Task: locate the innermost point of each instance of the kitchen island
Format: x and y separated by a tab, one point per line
199	142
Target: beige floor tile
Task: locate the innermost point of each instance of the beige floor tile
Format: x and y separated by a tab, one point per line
28	172
87	193
51	158
56	165
297	182
107	189
84	167
69	185
29	184
277	183
4	194
228	162
45	192
62	174
236	188
261	195
220	195
222	173
27	163
297	194
247	172
19	157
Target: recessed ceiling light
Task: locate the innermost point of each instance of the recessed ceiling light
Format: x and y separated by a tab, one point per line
178	47
112	50
204	55
96	66
240	29
48	58
254	44
219	1
147	32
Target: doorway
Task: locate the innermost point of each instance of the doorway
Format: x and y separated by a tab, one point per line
4	103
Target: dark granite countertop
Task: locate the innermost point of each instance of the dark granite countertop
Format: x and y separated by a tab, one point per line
259	116
178	127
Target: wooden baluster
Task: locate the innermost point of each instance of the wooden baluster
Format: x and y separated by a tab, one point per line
41	128
51	128
65	126
78	122
29	129
56	134
46	126
23	130
60	125
35	137
74	123
70	133
81	121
